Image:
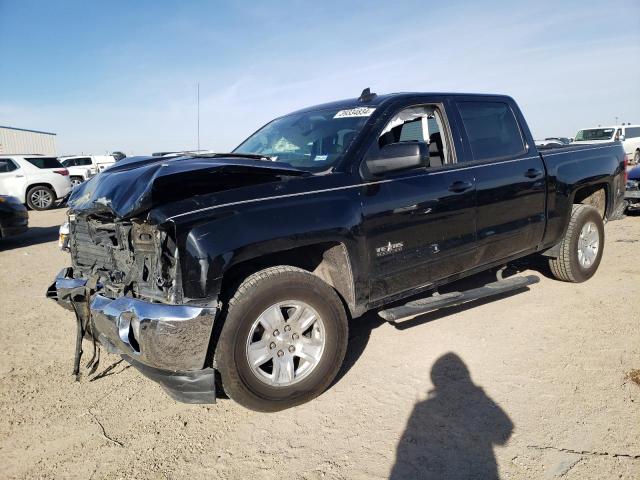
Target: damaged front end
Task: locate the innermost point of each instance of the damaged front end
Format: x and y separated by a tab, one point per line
124	287
128	257
126	284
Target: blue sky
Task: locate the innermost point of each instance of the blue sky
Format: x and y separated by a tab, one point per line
122	75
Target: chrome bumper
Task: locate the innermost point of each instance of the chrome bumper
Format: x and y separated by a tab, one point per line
171	337
168	339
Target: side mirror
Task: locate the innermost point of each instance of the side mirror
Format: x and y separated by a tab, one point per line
399	156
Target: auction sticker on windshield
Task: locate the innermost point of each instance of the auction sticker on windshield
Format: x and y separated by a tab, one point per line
355	112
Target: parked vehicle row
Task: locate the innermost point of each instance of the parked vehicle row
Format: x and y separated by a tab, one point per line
628	135
37	181
552	142
82	168
248	265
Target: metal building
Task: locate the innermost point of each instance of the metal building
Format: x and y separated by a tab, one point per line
21	140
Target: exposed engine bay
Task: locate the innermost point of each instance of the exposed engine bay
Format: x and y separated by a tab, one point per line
128	257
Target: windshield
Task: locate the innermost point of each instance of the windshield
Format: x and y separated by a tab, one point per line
311	140
595	134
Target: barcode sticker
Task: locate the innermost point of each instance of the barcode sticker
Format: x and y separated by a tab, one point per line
355	112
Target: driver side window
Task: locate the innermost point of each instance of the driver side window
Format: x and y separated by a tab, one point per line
419	124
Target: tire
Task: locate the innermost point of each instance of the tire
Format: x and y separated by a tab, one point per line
75	181
41	197
274	290
636	157
570	266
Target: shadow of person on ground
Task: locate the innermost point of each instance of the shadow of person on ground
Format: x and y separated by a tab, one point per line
360	328
451	434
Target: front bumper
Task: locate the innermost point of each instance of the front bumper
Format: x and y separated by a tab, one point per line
167	343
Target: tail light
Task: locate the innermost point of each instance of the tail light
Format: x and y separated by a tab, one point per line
64	172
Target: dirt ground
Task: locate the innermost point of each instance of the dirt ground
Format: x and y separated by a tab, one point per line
532	385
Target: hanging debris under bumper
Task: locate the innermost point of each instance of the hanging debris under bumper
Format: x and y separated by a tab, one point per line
167	343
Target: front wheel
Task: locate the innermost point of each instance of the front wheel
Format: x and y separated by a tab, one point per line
581	247
283	339
636	157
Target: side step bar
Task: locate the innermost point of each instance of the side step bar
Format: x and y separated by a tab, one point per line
425	305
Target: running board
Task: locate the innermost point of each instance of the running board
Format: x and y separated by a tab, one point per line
435	302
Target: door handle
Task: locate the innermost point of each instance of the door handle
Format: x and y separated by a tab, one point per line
533	173
460	186
19	176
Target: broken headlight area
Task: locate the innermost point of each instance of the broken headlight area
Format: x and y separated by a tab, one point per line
129	258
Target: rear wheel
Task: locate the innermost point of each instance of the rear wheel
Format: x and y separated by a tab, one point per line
40	198
283	339
636	157
582	246
75	181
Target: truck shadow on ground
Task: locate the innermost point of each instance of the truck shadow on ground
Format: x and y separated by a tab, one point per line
33	236
452	434
360	328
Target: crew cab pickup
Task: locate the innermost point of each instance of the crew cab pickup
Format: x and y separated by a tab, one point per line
84	167
243	270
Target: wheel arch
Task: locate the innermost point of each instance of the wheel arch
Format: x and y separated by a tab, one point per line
39	184
329	261
597	195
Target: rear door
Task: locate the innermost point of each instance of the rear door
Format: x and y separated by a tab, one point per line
509	174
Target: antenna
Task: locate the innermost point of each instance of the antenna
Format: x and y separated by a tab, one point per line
198	115
366	95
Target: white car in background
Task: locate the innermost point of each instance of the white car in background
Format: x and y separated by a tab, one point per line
629	135
35	180
83	167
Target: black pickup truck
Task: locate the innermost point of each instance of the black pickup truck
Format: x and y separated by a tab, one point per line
243	270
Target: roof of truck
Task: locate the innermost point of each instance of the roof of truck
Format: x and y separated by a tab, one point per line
381	99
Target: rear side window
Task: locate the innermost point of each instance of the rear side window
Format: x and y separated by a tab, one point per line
7	165
44	162
412	131
632	132
83	161
492	130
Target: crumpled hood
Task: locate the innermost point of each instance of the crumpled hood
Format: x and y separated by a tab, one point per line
135	185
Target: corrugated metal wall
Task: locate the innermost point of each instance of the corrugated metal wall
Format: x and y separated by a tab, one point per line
25	141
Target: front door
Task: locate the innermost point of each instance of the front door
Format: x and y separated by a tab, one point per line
419	225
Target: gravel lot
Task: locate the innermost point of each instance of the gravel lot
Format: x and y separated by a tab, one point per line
533	385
